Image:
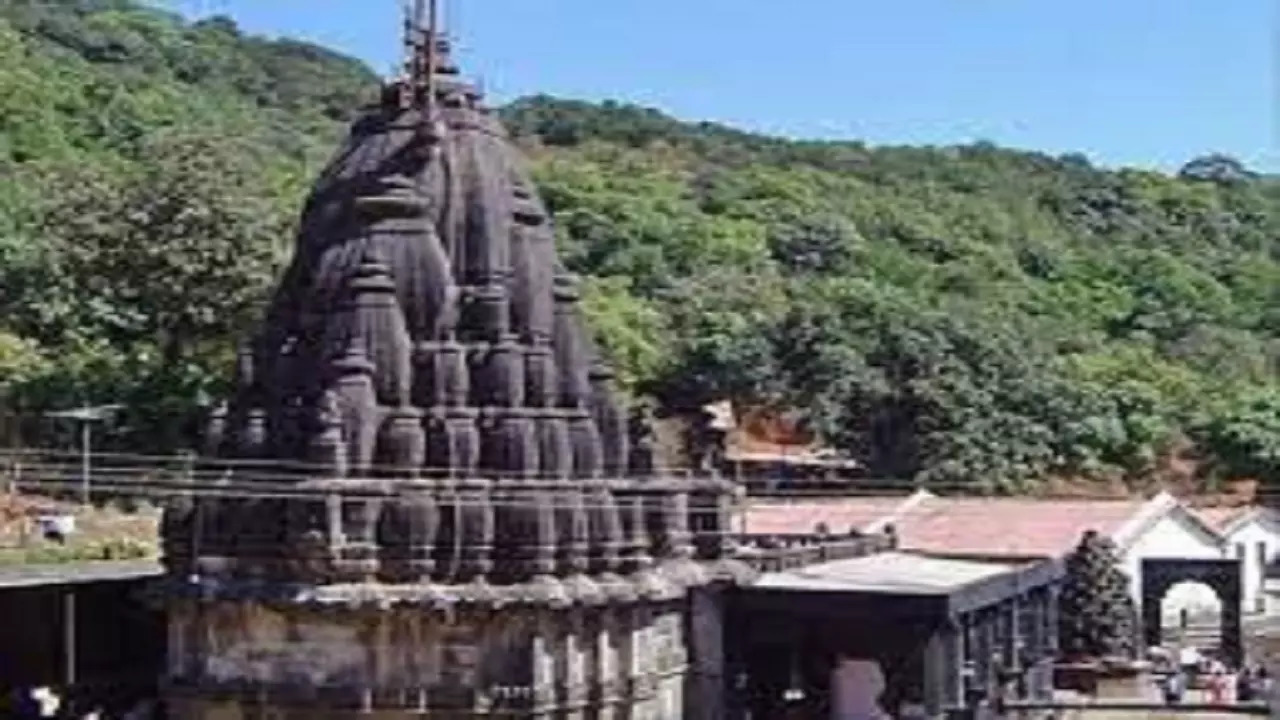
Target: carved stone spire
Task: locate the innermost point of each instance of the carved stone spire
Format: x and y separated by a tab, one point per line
425	331
445	457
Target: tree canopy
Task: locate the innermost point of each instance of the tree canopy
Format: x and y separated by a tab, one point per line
962	316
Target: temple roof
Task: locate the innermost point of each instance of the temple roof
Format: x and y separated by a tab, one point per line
426	348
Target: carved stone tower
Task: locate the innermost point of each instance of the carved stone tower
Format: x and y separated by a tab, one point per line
426	507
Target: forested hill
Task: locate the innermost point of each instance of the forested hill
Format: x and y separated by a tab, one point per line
151	172
961	316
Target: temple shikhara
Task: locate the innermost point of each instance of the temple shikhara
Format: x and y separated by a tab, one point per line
449	516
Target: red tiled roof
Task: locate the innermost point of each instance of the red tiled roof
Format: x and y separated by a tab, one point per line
1008	527
799	517
973	527
1219	518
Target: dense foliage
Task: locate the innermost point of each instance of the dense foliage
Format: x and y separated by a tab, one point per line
150	174
1096	613
965	315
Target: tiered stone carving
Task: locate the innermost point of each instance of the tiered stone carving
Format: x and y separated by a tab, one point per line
434	430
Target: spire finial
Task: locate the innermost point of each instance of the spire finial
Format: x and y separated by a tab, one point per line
433	29
421	29
409	10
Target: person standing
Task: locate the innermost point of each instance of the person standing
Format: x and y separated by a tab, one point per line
1244	685
1189	661
39	702
1174	687
1217	685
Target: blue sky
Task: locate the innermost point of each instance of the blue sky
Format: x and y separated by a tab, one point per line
1128	82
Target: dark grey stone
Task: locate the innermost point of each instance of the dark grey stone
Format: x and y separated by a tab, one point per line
426	336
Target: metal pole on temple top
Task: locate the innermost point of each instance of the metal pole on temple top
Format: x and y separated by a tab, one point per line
433	29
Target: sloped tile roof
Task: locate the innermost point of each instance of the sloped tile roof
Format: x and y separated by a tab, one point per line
958	527
1219	518
1008	527
799	517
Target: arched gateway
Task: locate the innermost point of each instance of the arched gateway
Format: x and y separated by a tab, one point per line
1223	576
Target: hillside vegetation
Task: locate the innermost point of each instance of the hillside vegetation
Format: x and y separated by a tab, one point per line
964	317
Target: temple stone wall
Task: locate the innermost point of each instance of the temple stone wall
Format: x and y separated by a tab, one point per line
242	661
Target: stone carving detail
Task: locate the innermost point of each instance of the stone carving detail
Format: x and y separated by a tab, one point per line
424	375
456	501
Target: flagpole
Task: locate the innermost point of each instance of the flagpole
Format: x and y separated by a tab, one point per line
433	20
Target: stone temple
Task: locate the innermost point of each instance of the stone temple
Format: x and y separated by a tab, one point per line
433	503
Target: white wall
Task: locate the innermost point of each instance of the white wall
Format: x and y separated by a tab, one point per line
1171	536
1258	530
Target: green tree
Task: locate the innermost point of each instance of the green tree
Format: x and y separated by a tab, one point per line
162	269
1245	437
1096	612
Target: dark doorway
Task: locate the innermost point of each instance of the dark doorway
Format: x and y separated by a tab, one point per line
1222	576
95	644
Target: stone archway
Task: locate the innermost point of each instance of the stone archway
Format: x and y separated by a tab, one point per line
1223	576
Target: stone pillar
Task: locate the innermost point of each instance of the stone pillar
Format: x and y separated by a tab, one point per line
570	352
604	669
1033	625
356	398
1232	632
675	542
1013	640
954	647
476	530
357	541
584	443
705	697
990	633
457	445
544	673
181	651
639	663
671	663
606	532
611	421
1051	620
943	669
1041	685
573	529
555	450
574	655
635	549
402	445
327	451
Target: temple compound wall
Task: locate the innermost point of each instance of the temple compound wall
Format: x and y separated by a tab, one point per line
239	661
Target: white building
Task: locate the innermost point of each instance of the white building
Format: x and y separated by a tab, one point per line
1159	528
1252	536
